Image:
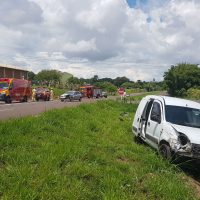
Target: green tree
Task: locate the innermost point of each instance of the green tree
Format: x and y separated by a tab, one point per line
31	76
49	77
95	79
120	80
182	77
73	83
107	86
128	85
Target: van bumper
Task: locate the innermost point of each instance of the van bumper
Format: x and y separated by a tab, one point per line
194	152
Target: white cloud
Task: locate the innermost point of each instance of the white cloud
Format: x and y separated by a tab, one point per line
104	37
80	46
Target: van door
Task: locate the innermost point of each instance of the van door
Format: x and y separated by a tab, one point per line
154	123
145	117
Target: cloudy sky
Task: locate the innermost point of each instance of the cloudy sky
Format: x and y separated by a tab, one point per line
139	39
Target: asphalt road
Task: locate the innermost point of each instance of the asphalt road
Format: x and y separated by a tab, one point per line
17	110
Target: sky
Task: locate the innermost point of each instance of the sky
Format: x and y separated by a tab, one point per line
139	39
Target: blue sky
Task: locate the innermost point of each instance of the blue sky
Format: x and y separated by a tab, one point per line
133	3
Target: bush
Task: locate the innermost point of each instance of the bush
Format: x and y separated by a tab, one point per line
193	93
182	77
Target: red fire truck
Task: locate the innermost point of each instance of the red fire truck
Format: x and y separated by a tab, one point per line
12	89
91	91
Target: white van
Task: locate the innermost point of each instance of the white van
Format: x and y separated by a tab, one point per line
170	125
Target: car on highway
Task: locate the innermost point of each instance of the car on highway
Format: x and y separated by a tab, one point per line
71	96
42	93
170	125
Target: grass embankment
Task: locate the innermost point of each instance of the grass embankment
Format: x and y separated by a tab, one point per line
85	152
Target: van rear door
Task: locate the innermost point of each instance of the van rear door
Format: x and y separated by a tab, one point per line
154	123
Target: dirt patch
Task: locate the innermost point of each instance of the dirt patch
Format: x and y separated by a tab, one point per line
122	160
196	185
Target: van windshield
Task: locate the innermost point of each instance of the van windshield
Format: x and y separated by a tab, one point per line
183	116
3	85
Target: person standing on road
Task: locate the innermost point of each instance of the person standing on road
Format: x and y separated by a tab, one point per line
33	94
124	95
51	94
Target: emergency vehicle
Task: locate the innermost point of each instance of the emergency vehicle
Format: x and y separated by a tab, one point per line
12	89
91	91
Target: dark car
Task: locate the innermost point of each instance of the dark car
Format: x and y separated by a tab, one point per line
71	95
43	94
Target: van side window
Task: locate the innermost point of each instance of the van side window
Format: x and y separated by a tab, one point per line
145	114
156	112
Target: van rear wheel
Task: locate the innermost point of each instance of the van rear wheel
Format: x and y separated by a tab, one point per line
165	151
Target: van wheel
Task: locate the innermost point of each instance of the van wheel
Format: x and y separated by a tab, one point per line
80	99
25	99
165	151
8	100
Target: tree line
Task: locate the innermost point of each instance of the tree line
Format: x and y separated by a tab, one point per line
55	78
180	80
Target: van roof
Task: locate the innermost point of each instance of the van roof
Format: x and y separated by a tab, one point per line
176	101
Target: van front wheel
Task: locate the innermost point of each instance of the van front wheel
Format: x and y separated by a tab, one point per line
165	151
8	100
25	99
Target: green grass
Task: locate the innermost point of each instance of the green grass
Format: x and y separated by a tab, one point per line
85	152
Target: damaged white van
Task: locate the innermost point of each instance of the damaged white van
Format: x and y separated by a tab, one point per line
170	125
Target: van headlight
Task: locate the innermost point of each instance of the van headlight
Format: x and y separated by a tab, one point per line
183	139
182	143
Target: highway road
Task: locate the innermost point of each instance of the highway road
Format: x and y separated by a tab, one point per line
17	110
